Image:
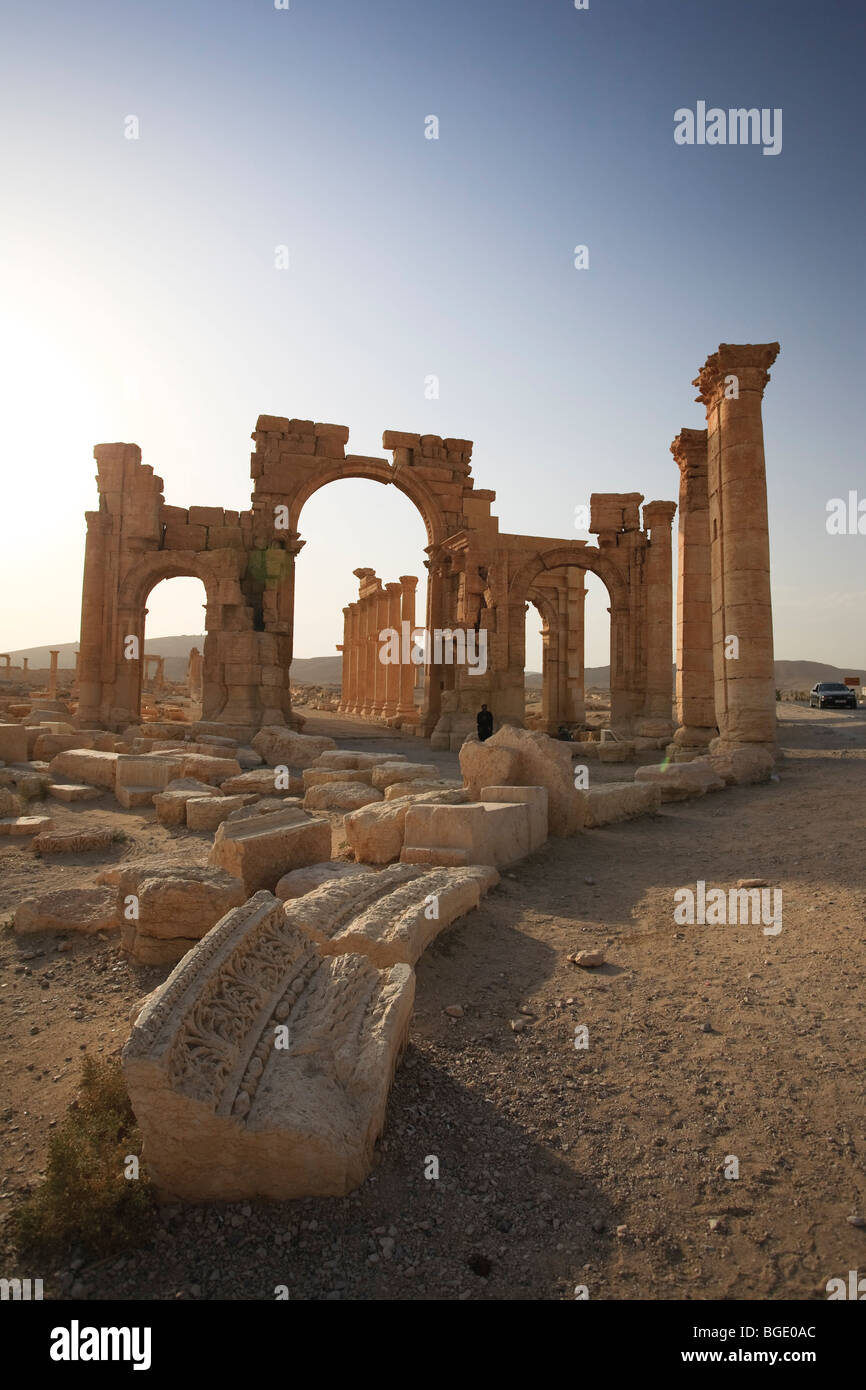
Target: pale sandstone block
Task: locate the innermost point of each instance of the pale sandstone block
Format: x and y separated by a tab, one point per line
262	781
679	781
69	909
616	801
534	799
340	796
225	1114
260	849
208	812
301	881
337	758
486	764
73	791
72	841
540	762
482	833
393	915
171	803
319	776
375	833
397	790
386	774
280	746
25	825
91	765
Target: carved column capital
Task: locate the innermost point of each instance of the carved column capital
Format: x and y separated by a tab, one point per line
750	363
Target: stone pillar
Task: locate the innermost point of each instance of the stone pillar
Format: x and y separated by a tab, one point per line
4	656
657	518
548	670
575	703
696	715
380	622
346	664
406	708
356	655
393	593
194	675
52	675
731	386
25	664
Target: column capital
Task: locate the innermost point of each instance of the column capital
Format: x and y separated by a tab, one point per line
750	363
658	515
690	451
409	582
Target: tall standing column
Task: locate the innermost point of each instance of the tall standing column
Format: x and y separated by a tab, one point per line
393	593
657	518
380	622
406	708
696	715
575	597
731	386
346	664
94	621
52	675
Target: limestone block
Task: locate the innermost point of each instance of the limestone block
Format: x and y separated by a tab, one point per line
73	791
185	901
318	776
25	825
481	833
215	771
13	743
91	765
540	762
397	790
224	1113
260	849
737	766
262	781
391	916
69	909
72	841
338	758
375	833
615	801
611	752
46	746
341	796
31	785
280	746
171	803
679	781
486	764
11	805
207	812
386	774
535	800
301	881
264	806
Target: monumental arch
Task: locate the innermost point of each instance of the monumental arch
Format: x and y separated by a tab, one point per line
479	579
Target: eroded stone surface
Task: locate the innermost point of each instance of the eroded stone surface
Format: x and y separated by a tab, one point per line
226	1114
283	747
615	801
69	909
679	781
375	833
538	761
260	849
301	881
72	841
341	796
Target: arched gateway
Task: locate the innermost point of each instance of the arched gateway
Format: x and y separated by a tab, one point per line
479	579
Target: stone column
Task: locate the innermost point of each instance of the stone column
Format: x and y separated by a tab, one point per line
355	645
575	704
657	518
380	622
346	664
549	669
696	715
25	664
94	621
731	386
406	708
194	675
393	593
52	675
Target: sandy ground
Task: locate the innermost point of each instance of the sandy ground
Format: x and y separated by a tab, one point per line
558	1167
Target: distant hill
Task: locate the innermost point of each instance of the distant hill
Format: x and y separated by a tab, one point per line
326	670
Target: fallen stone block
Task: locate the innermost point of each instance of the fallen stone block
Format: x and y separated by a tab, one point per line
13	743
535	801
208	769
740	766
391	916
679	781
25	825
616	801
339	758
248	758
74	791
430	784
480	833
90	765
25	782
375	833
321	776
387	774
171	803
539	761
177	906
265	805
72	841
616	752
487	764
208	812
46	746
225	1112
340	796
260	849
264	783
301	881
69	909
280	746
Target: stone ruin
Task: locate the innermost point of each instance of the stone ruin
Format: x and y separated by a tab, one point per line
261	1067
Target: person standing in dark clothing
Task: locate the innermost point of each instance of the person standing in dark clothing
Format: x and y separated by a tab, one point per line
484	720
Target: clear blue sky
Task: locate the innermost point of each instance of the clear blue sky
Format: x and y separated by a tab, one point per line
142	302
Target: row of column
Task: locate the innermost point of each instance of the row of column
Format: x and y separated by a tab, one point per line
725	671
372	687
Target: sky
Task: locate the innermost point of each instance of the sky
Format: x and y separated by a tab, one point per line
141	300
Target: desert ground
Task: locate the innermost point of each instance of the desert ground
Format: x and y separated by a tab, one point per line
559	1168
